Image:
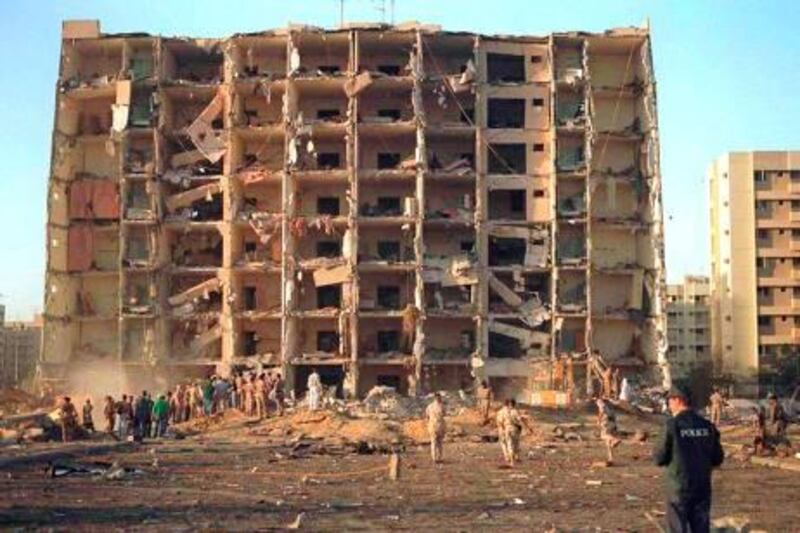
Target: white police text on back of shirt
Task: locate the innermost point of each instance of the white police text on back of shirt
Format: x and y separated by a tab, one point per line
695	432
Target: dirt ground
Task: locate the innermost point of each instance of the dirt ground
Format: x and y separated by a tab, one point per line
242	475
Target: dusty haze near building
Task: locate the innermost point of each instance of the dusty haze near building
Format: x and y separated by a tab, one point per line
391	205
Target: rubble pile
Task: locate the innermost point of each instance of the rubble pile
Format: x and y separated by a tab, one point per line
15	401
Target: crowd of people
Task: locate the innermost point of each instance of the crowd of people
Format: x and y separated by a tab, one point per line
149	416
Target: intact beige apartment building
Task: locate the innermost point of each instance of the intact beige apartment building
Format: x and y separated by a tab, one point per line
689	326
755	264
394	205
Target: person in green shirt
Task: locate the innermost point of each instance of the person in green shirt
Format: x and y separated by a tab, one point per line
161	414
208	396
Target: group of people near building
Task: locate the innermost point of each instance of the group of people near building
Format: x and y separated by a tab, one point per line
148	416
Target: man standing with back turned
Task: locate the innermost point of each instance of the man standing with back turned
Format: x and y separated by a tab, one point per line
690	449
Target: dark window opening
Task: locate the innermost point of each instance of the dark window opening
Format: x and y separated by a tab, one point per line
329	296
389	297
506	251
507	159
250	247
467	115
469	157
538	102
393	114
507	204
503	347
328	114
389	70
538	147
249	343
505	68
506	113
327	341
389	250
388	341
328	205
249	297
329	69
467	246
388	380
205	210
328	160
468	339
539	193
329	248
389	206
763	321
388	160
536	59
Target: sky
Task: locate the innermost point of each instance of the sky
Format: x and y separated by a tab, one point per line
727	75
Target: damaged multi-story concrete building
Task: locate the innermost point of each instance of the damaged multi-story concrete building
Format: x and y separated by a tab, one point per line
394	205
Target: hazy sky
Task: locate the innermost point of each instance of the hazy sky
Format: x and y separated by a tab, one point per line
727	74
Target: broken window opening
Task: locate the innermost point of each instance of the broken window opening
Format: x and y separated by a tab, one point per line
505	68
388	160
389	380
388	341
506	251
327	341
571	155
389	70
571	249
389	250
249	298
504	347
467	115
329	248
329	114
249	343
329	296
329	70
328	161
507	205
507	159
328	205
455	298
387	206
570	109
467	247
393	114
388	296
506	113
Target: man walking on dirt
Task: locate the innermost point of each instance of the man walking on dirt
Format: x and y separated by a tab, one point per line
689	449
484	395
436	427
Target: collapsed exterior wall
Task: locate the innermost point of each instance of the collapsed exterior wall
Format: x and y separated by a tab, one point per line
390	205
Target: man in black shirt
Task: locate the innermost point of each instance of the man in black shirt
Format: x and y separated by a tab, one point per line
689	449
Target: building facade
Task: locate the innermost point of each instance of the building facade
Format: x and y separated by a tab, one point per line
689	326
392	205
20	345
755	265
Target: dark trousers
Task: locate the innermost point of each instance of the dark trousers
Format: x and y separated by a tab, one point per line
690	515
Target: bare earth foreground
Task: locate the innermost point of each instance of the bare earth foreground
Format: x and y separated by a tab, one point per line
238	474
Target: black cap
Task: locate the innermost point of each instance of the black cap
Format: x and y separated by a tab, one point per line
680	391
